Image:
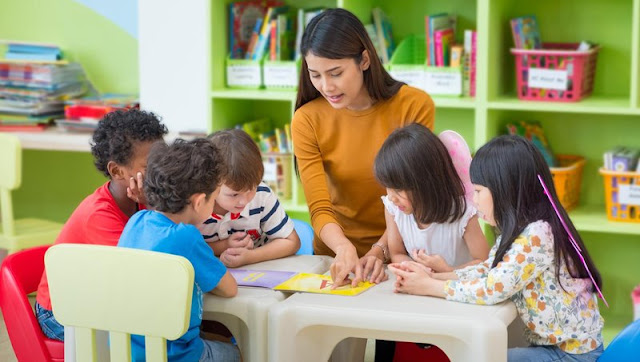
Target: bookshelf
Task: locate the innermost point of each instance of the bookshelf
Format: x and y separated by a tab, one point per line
607	118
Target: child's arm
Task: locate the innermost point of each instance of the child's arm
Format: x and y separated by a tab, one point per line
227	287
476	242
274	249
395	244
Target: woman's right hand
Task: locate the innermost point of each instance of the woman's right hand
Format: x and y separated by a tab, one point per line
345	262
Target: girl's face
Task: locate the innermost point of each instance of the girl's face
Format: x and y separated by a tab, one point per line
230	200
401	200
340	81
483	200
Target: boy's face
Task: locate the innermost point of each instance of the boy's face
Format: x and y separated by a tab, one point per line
230	200
138	162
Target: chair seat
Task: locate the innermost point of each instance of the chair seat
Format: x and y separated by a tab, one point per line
30	232
55	348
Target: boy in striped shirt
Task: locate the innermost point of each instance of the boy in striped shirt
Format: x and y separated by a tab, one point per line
248	224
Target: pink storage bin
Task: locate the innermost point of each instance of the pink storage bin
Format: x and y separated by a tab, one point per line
546	69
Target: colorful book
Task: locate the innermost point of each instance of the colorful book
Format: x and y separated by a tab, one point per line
265	31
435	23
260	278
443	40
456	56
242	19
384	36
525	31
255	35
319	283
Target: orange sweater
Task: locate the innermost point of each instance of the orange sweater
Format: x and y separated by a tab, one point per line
335	150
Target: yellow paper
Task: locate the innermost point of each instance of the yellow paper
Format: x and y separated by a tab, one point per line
319	283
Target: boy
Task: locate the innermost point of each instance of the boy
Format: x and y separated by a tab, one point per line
248	224
120	146
181	185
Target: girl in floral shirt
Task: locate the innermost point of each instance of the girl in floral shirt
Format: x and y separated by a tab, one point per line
532	263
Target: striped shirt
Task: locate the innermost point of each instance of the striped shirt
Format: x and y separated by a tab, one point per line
263	218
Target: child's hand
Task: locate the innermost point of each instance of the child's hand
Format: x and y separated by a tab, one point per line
240	240
411	278
235	257
134	191
435	261
373	268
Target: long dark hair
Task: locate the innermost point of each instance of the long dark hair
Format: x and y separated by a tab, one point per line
414	160
508	166
338	34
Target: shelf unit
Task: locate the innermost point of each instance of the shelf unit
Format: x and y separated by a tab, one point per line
607	118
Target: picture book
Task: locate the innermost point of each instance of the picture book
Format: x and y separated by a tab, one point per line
384	36
319	283
443	40
242	20
260	278
525	31
433	24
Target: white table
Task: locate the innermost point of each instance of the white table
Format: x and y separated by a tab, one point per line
246	314
306	327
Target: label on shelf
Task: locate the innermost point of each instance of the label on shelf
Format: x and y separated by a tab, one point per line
280	75
443	83
629	194
548	78
270	171
243	75
413	77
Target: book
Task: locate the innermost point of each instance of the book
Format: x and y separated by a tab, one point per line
265	31
255	36
525	31
42	56
435	23
443	40
242	19
304	17
384	35
260	278
456	56
319	283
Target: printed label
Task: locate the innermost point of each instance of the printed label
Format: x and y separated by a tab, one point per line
243	75
445	83
413	77
629	194
280	75
547	79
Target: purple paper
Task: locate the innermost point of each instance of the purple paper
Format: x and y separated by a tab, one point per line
260	278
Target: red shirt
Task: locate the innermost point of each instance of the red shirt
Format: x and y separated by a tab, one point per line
97	220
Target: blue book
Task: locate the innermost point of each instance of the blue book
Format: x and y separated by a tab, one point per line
32	56
33	48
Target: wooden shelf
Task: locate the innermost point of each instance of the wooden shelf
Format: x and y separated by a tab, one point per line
594	218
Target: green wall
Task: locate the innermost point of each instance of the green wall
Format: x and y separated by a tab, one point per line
55	182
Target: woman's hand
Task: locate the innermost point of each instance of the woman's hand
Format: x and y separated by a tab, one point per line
413	278
345	262
373	268
435	261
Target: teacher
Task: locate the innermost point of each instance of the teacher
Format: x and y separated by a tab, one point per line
347	105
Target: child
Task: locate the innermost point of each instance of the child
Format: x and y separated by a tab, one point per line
120	146
533	262
181	185
426	213
248	224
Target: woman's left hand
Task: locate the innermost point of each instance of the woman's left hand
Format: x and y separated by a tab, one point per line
373	269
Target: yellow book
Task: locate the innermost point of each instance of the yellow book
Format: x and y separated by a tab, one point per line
319	283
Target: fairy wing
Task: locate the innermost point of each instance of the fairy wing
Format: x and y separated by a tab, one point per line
461	157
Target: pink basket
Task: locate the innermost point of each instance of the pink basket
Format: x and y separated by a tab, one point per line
550	66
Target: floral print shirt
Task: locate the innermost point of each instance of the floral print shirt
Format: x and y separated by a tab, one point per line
568	318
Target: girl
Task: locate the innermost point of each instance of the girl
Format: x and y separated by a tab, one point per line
347	105
533	262
425	209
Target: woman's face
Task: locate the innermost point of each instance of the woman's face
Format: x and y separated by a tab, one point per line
340	81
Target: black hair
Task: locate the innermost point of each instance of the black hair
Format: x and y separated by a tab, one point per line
176	172
338	34
509	167
414	160
119	131
242	157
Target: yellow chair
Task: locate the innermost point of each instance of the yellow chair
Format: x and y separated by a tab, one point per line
123	291
23	233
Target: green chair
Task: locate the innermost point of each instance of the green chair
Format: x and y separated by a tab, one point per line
22	233
121	290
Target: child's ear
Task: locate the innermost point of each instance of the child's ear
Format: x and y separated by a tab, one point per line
115	170
197	200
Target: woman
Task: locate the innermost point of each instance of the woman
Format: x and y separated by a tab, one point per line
347	105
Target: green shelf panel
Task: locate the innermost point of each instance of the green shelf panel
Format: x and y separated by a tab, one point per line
594	218
254	94
290	205
454	102
593	104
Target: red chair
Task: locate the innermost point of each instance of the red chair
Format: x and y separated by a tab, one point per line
20	275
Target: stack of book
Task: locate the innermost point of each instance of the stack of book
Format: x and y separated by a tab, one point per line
83	115
33	52
32	94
